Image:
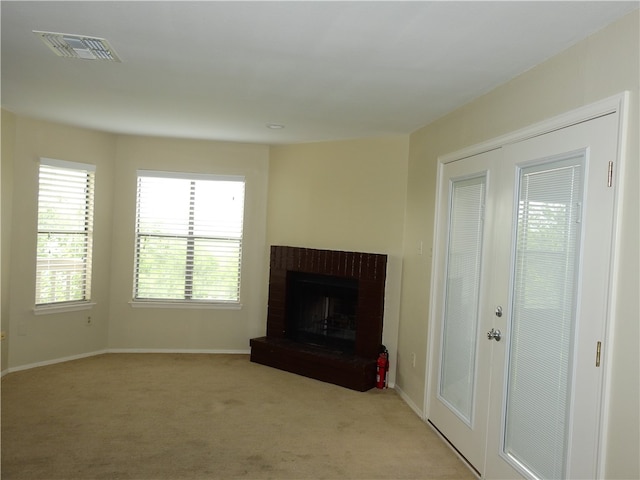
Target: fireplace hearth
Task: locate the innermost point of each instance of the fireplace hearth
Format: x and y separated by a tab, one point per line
325	315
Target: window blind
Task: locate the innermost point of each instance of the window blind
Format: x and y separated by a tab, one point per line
188	237
65	231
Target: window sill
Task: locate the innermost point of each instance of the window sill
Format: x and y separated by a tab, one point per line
63	308
185	305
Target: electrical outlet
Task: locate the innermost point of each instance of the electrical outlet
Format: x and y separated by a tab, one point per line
89	321
413	360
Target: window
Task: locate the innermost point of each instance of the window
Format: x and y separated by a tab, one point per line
188	237
65	232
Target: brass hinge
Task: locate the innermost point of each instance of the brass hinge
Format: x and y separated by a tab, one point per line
598	348
610	175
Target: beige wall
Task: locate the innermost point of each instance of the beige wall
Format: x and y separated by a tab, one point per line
188	329
7	137
115	324
39	338
347	195
603	65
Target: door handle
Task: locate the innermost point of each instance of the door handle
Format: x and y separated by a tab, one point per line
494	334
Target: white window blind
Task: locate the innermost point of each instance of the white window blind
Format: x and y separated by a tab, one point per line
65	232
188	237
460	323
543	318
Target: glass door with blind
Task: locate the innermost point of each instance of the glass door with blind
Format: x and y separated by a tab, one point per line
458	399
531	287
552	257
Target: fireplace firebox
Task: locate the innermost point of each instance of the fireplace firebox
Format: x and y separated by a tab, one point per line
322	311
325	315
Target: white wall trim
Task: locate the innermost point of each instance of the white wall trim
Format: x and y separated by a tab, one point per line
430	382
616	262
179	350
29	366
409	402
606	106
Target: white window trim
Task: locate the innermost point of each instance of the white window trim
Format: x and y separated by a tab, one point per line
47	309
52	162
191	176
187	304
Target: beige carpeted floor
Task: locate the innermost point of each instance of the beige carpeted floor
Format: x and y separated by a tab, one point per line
192	416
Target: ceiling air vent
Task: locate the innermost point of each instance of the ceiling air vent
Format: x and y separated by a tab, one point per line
78	46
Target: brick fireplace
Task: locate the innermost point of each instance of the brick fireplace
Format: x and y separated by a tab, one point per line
325	315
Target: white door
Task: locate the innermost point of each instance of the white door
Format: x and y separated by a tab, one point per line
552	259
459	399
530	405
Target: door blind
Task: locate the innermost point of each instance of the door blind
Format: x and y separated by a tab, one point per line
460	322
543	318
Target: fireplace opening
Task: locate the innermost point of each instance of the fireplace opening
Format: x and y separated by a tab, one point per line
322	311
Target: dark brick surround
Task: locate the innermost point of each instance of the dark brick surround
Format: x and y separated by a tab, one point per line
355	371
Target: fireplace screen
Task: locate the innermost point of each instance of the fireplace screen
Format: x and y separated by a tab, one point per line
321	310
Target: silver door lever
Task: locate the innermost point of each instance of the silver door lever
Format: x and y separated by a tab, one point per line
494	334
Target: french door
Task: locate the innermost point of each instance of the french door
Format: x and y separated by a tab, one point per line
463	253
522	266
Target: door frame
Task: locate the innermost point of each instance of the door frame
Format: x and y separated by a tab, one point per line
618	105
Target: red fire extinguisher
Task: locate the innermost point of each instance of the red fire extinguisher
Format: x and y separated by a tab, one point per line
382	368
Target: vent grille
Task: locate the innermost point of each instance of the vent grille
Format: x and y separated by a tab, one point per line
78	46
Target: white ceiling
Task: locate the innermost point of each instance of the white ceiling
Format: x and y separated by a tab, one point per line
326	70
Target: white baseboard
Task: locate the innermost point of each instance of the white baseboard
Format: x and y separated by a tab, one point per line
408	401
174	350
119	350
54	361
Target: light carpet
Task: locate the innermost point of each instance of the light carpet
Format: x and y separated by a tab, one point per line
198	416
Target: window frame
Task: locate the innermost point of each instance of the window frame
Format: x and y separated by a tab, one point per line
185	303
86	302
